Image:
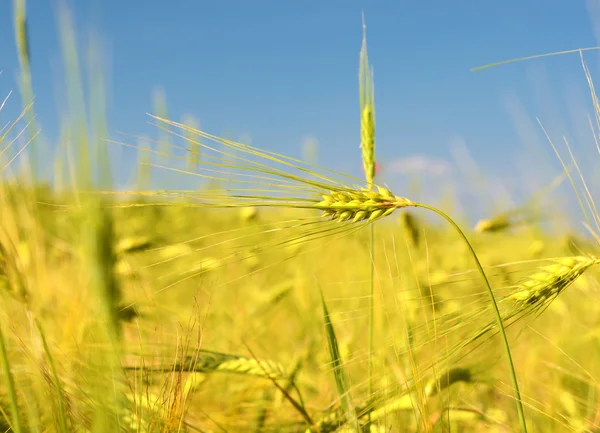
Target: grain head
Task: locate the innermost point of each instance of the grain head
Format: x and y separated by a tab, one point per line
546	284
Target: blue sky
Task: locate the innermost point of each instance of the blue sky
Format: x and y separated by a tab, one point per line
281	71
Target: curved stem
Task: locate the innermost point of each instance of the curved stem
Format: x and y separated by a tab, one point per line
371	308
499	321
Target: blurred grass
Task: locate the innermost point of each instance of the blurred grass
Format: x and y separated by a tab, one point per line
277	312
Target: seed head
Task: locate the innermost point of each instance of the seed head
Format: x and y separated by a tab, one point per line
359	205
496	224
367	114
368	142
552	279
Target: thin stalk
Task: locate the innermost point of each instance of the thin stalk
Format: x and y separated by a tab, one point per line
499	321
10	383
371	308
61	416
339	372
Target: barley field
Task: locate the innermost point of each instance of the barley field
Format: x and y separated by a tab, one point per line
279	295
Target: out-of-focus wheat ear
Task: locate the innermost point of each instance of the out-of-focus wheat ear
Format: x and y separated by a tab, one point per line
538	289
446	379
98	112
160	106
194	159
410	225
11	277
144	163
21	35
23	50
495	224
24	54
97	238
367	113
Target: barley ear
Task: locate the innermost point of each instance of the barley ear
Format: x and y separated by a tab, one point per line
359	205
367	113
538	289
22	37
496	224
24	54
446	379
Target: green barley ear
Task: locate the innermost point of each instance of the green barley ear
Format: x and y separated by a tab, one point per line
359	205
367	112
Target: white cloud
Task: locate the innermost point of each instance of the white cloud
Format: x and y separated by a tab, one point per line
418	164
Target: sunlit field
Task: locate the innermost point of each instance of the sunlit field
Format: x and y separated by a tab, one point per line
279	295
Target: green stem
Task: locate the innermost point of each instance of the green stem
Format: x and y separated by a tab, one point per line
61	416
10	383
371	308
499	321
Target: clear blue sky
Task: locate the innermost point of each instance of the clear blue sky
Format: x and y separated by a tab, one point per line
280	71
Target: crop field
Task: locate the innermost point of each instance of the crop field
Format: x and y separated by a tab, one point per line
279	295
